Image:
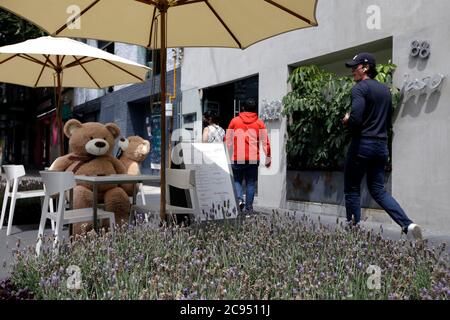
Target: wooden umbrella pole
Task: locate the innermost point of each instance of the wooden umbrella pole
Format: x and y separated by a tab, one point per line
163	12
58	113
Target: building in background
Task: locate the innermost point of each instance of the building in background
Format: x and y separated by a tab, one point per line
28	132
26	125
134	108
219	78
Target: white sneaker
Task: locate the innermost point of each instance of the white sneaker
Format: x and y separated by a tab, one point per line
241	205
415	231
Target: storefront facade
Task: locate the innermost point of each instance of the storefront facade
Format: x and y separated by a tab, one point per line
390	29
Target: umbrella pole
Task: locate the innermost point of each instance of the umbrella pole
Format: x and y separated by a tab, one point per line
163	114
58	114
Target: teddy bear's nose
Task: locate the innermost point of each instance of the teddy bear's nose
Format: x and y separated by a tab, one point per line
122	139
100	144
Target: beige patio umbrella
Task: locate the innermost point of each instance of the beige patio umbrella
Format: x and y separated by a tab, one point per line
63	62
168	23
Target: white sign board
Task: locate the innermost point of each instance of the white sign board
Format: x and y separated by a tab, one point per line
214	182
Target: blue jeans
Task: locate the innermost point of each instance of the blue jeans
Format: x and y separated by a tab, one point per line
369	156
249	172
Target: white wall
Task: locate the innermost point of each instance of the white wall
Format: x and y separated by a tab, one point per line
191	103
130	52
421	178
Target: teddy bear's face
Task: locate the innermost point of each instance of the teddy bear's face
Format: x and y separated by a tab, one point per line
91	138
135	148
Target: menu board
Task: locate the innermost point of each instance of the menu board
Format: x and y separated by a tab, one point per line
214	182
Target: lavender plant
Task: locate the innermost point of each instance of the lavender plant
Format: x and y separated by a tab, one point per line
263	257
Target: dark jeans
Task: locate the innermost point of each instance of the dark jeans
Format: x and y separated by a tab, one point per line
249	172
369	156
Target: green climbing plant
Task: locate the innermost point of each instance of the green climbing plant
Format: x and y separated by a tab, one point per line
319	99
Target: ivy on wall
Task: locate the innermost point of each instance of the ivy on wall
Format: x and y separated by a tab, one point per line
317	140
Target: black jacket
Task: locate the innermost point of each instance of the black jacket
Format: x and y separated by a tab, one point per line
371	110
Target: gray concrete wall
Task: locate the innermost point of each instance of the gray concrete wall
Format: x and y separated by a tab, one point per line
421	155
421	177
326	187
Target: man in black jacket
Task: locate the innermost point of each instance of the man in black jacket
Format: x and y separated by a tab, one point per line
368	122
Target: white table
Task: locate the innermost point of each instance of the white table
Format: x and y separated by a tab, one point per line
112	179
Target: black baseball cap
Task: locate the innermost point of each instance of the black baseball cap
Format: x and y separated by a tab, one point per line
361	58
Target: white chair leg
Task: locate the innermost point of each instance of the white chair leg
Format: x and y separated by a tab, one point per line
58	235
52	223
112	223
5	203
11	213
2	217
40	233
141	190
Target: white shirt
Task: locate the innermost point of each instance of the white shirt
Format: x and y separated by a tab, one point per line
215	133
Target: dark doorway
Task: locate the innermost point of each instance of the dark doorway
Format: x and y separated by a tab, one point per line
226	99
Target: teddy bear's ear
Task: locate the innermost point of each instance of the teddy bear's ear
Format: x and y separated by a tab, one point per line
71	126
114	129
123	143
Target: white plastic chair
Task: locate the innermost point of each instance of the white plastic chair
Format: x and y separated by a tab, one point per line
179	178
13	173
58	183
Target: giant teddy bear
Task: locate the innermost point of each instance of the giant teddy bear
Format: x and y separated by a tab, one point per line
134	150
91	145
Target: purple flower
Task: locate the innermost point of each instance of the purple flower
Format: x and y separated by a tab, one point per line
54	280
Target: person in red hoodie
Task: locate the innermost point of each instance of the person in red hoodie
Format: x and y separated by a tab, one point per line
244	135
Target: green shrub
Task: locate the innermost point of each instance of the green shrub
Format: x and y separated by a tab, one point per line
262	258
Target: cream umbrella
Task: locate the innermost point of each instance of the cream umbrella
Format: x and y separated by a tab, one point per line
63	62
168	23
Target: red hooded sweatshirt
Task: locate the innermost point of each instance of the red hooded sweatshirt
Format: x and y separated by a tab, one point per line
245	133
